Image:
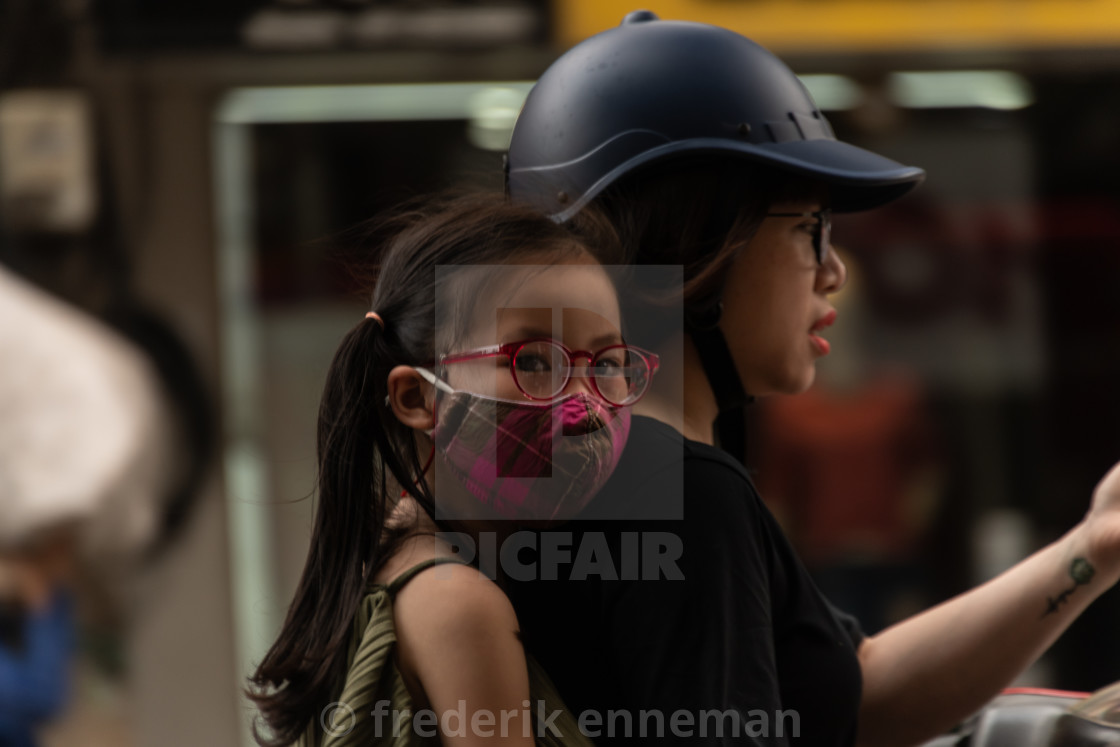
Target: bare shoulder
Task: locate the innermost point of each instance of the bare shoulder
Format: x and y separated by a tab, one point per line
457	632
453	601
458	638
445	597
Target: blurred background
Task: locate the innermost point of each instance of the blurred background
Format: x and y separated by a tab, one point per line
169	172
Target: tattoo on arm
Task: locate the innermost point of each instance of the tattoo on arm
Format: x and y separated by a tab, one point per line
1082	573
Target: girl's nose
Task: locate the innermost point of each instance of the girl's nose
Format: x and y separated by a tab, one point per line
580	378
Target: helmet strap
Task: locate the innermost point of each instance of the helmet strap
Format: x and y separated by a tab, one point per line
723	377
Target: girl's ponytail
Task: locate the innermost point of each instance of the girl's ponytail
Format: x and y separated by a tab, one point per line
310	653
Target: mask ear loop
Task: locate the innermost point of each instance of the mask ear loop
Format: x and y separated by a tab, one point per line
443	386
434	380
424	469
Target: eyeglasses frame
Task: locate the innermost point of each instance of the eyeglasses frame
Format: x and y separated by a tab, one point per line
511	349
821	235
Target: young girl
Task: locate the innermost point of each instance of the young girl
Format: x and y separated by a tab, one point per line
486	390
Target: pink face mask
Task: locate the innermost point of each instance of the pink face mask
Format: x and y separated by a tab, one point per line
529	461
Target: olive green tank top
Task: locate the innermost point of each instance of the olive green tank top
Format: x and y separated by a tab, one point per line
374	709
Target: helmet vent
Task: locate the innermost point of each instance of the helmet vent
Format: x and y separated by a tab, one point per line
639	16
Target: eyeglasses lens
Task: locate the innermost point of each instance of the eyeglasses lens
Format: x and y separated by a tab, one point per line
823	236
614	375
542	369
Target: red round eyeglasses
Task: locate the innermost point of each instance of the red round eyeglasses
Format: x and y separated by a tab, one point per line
542	367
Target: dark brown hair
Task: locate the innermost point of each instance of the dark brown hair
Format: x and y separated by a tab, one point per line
361	444
698	212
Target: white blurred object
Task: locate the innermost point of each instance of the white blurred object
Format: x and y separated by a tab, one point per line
83	428
492	114
46	161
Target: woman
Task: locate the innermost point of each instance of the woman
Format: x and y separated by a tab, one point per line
707	152
488	388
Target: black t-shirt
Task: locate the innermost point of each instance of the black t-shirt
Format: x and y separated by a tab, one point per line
746	629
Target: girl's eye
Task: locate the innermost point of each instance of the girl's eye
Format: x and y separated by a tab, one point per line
532	363
609	366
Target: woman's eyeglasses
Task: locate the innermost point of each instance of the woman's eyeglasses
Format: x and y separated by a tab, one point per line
541	368
821	233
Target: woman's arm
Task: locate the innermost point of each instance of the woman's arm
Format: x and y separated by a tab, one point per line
458	638
927	673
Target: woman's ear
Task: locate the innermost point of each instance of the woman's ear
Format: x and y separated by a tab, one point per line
410	398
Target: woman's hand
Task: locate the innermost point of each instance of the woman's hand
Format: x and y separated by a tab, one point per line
927	673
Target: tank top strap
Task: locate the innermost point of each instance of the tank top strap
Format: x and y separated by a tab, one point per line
397	583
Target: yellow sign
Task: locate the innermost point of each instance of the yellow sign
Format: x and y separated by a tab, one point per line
870	25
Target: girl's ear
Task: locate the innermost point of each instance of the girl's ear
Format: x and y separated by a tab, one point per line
410	398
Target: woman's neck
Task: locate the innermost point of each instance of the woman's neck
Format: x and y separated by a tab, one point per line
681	396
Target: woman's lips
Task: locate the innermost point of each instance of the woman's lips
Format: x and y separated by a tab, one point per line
819	342
825	321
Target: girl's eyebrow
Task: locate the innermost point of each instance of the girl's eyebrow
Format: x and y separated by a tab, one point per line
610	338
527	332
